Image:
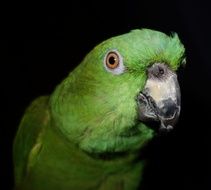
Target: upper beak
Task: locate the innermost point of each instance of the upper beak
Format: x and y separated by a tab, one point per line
160	99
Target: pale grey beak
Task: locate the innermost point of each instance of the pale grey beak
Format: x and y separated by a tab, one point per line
160	99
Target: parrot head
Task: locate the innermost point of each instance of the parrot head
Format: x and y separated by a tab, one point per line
125	83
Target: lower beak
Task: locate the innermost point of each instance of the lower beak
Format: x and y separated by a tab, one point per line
160	99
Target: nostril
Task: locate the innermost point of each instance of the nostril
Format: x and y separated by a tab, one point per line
160	70
157	71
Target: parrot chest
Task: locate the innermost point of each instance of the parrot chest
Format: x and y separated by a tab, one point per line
63	167
81	177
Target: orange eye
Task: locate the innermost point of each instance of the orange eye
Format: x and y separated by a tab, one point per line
112	60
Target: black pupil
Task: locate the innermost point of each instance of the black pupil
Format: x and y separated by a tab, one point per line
112	60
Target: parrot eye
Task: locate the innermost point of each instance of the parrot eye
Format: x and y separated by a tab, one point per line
113	62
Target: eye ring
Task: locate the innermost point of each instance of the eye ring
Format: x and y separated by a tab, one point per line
113	62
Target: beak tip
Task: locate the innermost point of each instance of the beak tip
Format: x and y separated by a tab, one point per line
167	128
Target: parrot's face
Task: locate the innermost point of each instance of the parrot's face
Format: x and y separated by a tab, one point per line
125	83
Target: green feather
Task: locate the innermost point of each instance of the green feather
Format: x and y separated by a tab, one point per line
113	97
86	135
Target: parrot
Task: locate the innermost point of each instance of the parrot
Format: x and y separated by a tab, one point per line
90	131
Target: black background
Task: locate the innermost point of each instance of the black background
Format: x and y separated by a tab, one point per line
41	47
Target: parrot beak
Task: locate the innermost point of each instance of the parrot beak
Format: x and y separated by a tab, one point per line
160	99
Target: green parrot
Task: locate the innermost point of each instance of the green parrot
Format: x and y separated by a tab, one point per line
89	133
